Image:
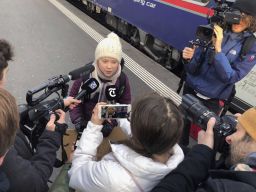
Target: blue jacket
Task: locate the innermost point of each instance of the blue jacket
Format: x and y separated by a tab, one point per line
217	76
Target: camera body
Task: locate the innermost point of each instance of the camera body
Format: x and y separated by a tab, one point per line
223	16
197	113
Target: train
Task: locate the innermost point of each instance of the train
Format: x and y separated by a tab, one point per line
162	28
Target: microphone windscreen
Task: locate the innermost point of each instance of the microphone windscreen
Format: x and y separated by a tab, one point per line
81	72
90	85
111	92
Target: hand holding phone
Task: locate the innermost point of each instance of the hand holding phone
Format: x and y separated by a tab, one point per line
114	111
95	117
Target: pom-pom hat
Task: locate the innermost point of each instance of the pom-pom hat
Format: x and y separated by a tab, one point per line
109	47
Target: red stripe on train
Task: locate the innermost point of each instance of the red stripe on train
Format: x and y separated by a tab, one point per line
189	6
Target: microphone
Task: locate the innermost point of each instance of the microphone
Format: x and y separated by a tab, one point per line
81	72
88	87
111	93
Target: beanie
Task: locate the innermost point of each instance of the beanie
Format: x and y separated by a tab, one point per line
109	47
248	121
246	6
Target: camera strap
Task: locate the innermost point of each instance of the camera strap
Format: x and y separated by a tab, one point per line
61	128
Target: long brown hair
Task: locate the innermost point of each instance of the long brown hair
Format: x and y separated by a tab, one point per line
9	120
156	125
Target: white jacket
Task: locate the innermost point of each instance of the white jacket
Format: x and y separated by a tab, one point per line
122	170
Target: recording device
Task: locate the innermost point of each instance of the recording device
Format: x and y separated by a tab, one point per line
36	113
223	16
197	113
114	111
57	83
111	93
88	87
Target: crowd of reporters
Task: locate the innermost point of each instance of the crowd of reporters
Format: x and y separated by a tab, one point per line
150	158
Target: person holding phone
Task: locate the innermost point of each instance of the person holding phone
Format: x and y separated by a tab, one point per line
137	163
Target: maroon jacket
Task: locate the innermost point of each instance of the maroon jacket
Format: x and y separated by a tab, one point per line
84	110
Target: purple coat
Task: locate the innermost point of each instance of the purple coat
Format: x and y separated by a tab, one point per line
84	109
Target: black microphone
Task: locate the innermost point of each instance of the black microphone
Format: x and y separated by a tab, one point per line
111	93
88	87
81	72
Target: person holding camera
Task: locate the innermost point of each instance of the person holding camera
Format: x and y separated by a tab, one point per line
8	113
211	73
194	173
138	163
108	72
28	170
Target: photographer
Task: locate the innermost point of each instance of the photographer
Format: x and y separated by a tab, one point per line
29	170
8	113
212	72
239	177
108	72
138	163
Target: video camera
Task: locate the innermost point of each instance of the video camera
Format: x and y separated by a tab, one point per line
223	16
197	113
36	113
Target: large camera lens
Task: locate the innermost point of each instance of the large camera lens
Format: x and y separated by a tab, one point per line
196	111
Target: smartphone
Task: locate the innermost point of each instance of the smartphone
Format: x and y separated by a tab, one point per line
114	111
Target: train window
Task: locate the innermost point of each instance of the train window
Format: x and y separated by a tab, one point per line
198	2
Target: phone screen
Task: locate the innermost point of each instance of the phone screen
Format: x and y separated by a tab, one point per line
115	111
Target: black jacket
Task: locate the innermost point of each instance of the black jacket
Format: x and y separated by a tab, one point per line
4	183
189	173
230	181
27	171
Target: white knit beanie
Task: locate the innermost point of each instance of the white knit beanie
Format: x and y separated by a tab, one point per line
109	47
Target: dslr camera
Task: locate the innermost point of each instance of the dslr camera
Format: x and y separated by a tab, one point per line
223	16
197	113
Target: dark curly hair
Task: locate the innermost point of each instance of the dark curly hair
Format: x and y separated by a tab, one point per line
6	55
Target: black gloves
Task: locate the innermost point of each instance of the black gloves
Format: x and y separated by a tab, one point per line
80	125
108	127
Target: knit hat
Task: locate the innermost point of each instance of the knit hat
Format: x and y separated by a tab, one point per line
109	47
246	6
248	121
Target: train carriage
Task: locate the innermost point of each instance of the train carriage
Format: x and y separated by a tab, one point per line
162	28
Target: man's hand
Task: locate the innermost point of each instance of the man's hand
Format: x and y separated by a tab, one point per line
188	52
71	102
51	123
207	137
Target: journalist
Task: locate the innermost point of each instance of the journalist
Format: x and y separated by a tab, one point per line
9	123
193	175
29	170
138	163
108	72
212	73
